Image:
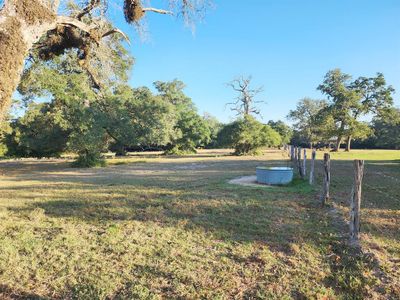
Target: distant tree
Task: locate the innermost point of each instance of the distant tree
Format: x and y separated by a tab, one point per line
283	129
5	133
308	124
172	92
387	129
137	118
41	132
245	103
247	135
214	126
193	132
351	100
88	137
191	129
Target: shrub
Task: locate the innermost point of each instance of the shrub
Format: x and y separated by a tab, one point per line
89	160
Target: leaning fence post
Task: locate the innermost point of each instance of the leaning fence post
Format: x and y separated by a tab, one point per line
304	163
327	178
313	155
355	202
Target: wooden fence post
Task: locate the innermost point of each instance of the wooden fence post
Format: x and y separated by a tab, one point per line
291	152
327	179
304	169
299	163
313	155
355	203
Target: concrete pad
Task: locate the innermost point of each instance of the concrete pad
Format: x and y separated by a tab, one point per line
248	181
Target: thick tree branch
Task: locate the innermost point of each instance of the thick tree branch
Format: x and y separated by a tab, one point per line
116	30
69	21
93	78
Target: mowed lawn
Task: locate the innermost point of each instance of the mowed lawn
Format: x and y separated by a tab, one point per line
151	227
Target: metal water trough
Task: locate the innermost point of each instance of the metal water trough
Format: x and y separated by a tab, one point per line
274	175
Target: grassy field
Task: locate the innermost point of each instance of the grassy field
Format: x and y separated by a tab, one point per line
151	227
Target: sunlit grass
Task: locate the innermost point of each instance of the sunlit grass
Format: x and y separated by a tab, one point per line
363	154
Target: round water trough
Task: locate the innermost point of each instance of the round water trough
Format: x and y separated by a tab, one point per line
274	175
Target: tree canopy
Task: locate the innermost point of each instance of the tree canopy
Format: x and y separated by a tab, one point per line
308	121
247	135
386	128
46	29
349	100
121	118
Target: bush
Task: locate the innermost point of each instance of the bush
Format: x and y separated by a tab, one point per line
176	150
89	160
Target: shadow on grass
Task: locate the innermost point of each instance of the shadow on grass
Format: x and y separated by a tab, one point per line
7	292
227	212
199	196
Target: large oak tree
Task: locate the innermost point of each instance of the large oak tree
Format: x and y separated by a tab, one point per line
38	25
349	101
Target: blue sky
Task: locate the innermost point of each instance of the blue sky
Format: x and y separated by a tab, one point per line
286	45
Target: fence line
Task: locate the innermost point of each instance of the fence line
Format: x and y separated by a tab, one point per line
356	195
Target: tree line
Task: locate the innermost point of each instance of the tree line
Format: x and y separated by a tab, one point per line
342	117
64	114
73	118
128	119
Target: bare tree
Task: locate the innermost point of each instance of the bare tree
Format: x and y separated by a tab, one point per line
38	24
245	103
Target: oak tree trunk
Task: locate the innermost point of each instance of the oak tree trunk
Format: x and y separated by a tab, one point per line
348	143
339	137
22	23
338	142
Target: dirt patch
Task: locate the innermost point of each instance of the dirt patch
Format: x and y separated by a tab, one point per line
248	181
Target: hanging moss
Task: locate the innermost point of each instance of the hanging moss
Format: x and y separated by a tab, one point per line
61	39
13	49
133	10
33	12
